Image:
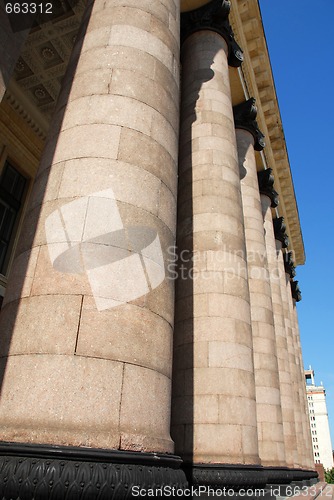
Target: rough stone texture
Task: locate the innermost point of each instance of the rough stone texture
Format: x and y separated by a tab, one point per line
113	144
267	388
213	361
83	404
306	449
285	380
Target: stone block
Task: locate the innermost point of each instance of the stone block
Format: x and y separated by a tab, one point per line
127	333
48	411
145	410
43	324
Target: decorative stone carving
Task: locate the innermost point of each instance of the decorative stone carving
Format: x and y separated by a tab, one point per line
295	290
280	231
214	17
245	118
289	265
266	186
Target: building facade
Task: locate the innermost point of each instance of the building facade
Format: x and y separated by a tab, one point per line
149	239
321	438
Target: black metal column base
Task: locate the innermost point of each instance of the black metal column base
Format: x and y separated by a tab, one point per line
234	477
273	481
303	474
46	472
284	475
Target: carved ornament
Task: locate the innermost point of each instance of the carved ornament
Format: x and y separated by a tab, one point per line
266	186
280	231
214	17
295	291
245	118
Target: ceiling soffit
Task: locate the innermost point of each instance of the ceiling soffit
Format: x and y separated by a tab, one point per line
41	66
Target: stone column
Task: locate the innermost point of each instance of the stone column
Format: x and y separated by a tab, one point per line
87	324
282	243
267	388
269	200
289	274
309	459
294	295
214	412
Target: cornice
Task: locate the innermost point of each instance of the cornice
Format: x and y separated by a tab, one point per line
245	118
24	108
246	22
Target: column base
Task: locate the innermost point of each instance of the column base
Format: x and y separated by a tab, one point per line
273	481
59	472
303	475
233	476
278	475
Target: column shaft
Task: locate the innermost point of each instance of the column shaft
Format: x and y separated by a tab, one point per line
287	406
88	317
309	460
268	401
214	413
292	358
305	426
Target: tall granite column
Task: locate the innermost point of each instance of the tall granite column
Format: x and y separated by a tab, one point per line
309	459
289	275
214	413
294	295
88	316
11	43
282	243
269	199
267	388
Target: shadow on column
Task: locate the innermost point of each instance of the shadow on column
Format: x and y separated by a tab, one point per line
183	356
9	311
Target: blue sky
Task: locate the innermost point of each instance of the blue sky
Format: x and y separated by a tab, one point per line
301	47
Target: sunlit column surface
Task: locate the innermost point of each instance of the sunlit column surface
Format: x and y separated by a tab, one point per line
267	388
268	198
214	414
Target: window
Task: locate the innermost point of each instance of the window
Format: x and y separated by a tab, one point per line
12	188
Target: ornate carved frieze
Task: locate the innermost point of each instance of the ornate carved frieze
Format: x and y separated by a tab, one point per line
295	291
214	17
245	117
289	264
280	231
266	186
